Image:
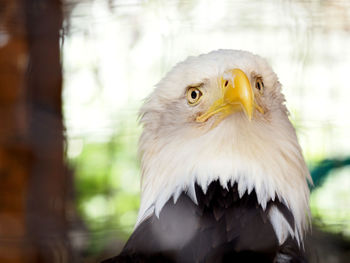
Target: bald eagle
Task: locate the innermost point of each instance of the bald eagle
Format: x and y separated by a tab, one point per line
223	175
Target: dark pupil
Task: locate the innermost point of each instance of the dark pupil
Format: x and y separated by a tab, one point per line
258	85
193	94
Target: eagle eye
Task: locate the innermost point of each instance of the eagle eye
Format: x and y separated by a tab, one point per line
193	95
259	84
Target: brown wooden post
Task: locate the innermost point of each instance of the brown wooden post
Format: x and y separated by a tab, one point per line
15	155
33	177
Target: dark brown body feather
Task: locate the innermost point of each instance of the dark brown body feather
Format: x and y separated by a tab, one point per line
221	228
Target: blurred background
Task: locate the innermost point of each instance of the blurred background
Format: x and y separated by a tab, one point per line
113	52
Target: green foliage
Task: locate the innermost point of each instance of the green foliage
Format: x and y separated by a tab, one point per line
107	188
330	199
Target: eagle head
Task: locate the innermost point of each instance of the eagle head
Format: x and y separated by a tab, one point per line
222	116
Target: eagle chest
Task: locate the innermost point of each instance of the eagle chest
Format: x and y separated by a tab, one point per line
221	227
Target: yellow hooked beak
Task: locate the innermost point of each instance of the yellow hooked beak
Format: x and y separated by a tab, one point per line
237	95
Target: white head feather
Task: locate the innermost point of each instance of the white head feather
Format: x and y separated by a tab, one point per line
262	154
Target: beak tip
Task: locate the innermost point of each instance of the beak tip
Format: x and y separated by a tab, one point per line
250	117
248	112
